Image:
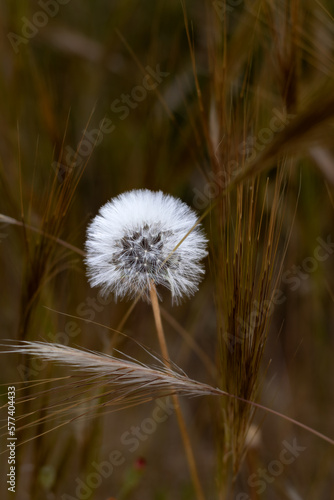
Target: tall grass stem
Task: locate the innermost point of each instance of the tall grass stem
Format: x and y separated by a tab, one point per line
178	411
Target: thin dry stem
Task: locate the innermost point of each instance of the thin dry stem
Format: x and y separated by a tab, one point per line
178	411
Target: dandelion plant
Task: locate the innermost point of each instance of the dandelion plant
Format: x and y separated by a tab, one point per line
138	241
130	246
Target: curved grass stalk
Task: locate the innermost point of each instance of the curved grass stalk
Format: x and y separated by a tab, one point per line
132	382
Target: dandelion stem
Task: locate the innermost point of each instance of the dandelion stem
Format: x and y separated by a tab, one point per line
178	411
158	324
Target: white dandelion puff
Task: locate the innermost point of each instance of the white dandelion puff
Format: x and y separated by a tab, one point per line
130	245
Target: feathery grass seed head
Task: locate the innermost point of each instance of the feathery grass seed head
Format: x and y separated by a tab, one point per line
131	243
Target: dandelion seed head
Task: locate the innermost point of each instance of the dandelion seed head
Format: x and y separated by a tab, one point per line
130	244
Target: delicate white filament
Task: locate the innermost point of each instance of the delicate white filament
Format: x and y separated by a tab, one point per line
130	239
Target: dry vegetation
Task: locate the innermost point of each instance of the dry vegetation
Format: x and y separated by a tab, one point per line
230	107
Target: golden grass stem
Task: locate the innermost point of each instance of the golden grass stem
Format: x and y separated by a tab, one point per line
178	411
158	324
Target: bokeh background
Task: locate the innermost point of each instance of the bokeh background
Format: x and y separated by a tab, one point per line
64	68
